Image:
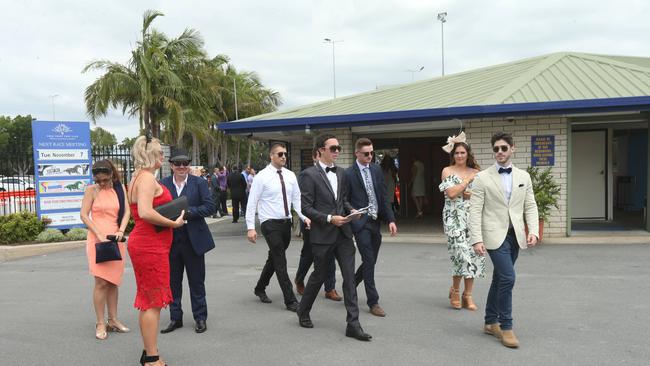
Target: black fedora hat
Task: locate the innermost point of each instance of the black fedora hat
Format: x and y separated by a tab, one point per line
179	155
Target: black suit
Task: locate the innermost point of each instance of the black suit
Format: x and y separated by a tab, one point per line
366	229
318	201
237	185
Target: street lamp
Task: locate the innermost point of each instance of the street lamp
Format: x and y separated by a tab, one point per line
329	40
442	17
414	71
52	99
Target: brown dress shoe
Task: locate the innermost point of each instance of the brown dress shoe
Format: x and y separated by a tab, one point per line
454	298
509	339
492	329
333	295
300	287
376	310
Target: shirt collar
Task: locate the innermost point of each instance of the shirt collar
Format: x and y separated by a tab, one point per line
183	183
323	166
361	166
500	166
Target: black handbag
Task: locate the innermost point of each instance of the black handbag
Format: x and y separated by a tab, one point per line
172	209
108	250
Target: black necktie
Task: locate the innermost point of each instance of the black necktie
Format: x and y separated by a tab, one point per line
505	170
332	169
284	195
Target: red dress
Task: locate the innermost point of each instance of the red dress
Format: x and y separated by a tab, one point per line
149	252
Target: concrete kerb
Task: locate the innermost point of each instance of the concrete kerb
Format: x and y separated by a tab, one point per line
13	252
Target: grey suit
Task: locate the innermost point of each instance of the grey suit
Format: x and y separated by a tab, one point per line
318	201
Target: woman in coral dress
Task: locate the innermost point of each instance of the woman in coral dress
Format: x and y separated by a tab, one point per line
148	245
103	215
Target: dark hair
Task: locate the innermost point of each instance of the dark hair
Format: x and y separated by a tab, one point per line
502	136
363	141
106	167
471	162
314	153
388	163
276	144
319	141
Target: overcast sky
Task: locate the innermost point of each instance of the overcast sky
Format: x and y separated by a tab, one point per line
45	44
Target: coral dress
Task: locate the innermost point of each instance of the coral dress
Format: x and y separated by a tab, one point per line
104	215
149	252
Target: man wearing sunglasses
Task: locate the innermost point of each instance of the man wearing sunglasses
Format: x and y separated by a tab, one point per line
366	187
190	243
273	192
502	204
325	202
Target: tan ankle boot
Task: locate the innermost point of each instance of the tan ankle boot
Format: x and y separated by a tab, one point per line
454	298
509	339
492	329
468	303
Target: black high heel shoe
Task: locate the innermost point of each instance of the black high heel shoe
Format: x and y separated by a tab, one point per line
144	359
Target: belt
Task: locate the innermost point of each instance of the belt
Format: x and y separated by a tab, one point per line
281	221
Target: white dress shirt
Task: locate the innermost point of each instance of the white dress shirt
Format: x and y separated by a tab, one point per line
179	188
506	180
331	176
266	196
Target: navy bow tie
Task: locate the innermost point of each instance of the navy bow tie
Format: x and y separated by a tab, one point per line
332	169
505	170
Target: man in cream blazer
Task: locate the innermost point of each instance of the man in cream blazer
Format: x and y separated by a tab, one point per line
502	203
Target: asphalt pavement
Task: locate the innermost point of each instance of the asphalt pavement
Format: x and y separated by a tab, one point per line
573	305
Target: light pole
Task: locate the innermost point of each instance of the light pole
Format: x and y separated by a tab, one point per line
414	71
329	40
442	17
52	99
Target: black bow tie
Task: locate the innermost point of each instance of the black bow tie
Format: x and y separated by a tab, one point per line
505	170
332	169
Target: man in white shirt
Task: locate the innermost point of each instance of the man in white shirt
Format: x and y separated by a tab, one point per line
273	191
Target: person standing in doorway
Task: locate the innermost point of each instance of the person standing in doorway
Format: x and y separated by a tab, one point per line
456	183
273	192
324	201
390	180
190	243
417	186
222	179
365	184
502	204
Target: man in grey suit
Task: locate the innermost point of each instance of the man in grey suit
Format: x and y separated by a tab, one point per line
324	201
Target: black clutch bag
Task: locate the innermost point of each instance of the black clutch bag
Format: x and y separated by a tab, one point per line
107	250
172	209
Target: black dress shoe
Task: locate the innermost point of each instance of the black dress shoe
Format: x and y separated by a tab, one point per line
293	306
358	333
200	326
173	325
263	298
305	321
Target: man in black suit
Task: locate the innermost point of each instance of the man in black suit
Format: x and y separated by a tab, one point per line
191	242
237	185
366	188
324	202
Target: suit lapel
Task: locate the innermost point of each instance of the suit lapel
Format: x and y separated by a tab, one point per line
339	183
496	179
358	173
516	181
322	174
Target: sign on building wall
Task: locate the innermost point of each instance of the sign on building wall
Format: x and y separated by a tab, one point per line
542	150
62	170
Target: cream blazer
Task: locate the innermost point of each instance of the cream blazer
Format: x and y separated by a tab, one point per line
490	214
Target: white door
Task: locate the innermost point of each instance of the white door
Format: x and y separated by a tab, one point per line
588	176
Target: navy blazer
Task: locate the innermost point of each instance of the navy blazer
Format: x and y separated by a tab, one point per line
358	197
201	205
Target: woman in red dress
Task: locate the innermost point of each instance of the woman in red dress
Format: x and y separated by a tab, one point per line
148	247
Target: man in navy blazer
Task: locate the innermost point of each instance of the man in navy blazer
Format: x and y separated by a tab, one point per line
366	188
190	243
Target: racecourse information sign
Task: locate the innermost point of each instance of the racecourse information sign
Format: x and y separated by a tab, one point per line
62	170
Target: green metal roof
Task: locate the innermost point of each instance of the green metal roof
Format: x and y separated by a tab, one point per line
554	77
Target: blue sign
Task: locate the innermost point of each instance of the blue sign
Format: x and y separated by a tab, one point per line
542	150
62	170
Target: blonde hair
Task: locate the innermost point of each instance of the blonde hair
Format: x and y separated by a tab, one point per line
146	155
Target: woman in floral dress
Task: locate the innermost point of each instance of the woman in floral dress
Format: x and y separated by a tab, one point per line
456	181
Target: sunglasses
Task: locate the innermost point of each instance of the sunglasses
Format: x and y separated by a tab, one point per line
282	154
367	153
334	148
181	163
504	148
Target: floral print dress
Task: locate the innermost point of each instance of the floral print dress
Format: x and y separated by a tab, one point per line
455	215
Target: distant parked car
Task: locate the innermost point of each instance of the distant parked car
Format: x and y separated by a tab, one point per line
8	184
